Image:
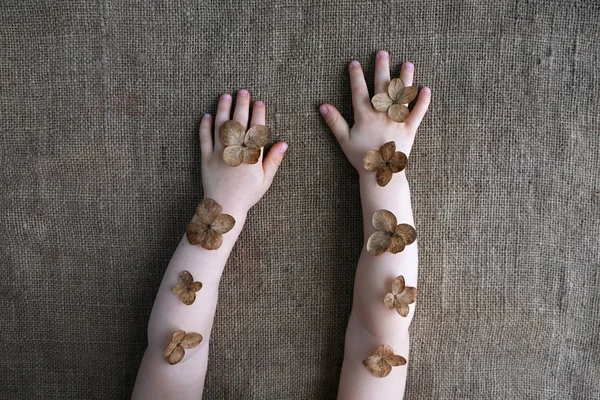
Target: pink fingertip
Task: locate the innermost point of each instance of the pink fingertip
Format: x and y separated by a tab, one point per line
355	63
226	97
259	103
243	92
206	116
383	54
283	148
324	110
409	66
426	90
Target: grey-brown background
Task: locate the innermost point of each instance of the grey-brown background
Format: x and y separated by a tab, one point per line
100	103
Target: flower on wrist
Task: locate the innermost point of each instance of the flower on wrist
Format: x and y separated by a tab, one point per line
186	288
208	229
400	296
388	235
382	360
393	102
241	146
386	161
181	340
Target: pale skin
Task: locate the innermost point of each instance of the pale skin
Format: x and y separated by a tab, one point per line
236	190
371	323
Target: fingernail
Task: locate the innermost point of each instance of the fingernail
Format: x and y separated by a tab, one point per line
324	110
226	97
383	54
409	66
243	92
206	116
355	63
259	103
426	90
283	147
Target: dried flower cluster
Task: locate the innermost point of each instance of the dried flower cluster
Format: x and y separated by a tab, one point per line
241	146
181	341
208	229
389	236
186	288
400	296
393	102
386	162
383	359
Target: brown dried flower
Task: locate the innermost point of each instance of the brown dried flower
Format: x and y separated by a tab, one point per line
208	229
180	341
186	288
400	297
383	359
395	99
242	146
386	162
389	236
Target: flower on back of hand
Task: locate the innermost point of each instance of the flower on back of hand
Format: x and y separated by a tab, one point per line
208	229
186	288
393	102
175	351
241	146
400	296
386	162
382	360
389	236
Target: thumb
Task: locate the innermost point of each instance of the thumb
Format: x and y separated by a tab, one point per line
336	122
273	160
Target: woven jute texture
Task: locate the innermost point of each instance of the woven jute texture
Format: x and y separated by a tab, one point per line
100	171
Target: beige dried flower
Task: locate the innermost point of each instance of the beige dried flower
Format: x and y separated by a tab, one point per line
180	341
208	229
389	236
395	99
186	288
386	162
241	146
400	297
383	359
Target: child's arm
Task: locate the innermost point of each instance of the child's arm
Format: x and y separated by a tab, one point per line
372	323
236	189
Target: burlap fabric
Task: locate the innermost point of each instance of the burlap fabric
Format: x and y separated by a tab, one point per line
100	103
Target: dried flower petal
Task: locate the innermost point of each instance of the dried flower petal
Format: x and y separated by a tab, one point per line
251	155
186	288
191	340
233	155
407	95
257	136
389	236
174	352
381	102
398	112
176	355
393	101
385	162
232	133
394	89
383	359
241	146
400	297
208	229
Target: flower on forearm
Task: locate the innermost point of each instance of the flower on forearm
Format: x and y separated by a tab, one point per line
383	359
400	297
389	236
186	288
241	146
208	229
386	162
393	102
180	341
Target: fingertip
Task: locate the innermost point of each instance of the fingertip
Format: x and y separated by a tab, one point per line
426	91
354	64
324	110
206	118
259	104
283	146
383	54
226	97
408	66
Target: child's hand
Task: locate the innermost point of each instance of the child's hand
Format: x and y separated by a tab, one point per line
373	128
237	189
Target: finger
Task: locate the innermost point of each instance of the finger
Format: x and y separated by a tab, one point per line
223	114
336	122
360	92
407	72
416	115
382	71
206	141
242	107
258	113
273	161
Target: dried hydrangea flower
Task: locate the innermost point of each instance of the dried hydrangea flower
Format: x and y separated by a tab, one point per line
395	99
383	359
400	297
389	236
241	146
186	288
386	162
208	229
180	341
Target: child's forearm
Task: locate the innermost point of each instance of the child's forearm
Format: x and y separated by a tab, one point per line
371	322
157	379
